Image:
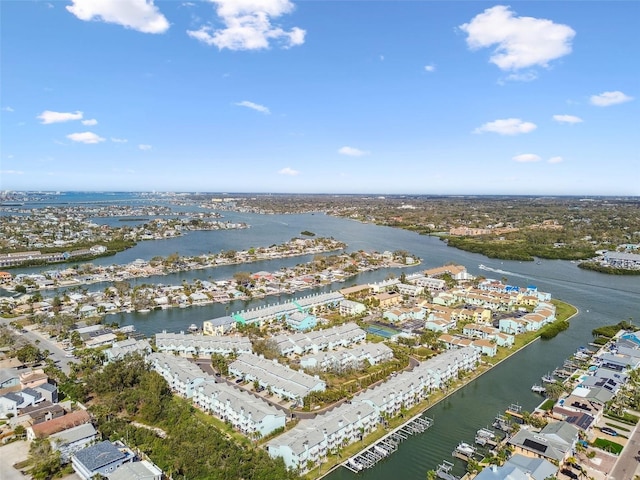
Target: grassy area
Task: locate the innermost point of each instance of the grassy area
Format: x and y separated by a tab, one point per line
608	446
617	427
548	405
627	417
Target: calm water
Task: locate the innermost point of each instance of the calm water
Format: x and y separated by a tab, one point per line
601	299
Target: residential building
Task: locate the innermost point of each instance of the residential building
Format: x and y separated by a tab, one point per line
201	345
350	308
218	327
282	380
250	415
72	440
351	357
555	442
100	459
126	347
143	470
182	376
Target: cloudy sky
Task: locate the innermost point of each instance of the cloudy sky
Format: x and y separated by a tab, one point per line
457	97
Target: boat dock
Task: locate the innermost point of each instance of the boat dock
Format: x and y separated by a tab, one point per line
538	389
444	471
388	444
464	451
485	437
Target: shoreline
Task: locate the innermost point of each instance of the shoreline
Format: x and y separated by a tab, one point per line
420	410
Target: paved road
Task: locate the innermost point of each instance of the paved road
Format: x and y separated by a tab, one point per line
627	465
12	453
35	337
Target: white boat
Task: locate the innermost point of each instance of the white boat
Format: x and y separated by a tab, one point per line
538	389
548	378
193	327
465	449
354	464
380	450
144	310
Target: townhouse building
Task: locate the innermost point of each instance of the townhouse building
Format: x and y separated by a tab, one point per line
282	380
182	376
130	346
325	339
310	441
252	416
202	345
352	357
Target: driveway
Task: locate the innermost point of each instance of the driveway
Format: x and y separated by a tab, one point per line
10	454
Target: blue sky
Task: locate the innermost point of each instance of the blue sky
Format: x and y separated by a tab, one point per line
420	97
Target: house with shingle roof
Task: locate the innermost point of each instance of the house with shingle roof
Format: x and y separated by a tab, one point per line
100	459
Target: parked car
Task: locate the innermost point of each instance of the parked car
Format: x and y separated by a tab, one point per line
609	431
569	473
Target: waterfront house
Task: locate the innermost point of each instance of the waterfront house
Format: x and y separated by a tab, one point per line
457	272
555	442
512	325
520	467
219	326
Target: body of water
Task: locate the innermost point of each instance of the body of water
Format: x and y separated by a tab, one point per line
601	299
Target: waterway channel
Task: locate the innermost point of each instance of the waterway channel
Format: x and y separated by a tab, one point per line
601	299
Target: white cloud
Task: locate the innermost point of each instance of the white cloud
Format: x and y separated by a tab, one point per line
119	140
507	126
7	109
567	119
11	172
352	152
430	68
140	15
526	158
144	147
609	98
58	117
248	25
555	160
527	76
254	106
520	42
90	121
289	171
85	137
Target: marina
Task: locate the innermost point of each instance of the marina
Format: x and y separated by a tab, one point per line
388	444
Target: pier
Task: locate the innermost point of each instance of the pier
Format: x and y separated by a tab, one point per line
444	471
485	437
388	444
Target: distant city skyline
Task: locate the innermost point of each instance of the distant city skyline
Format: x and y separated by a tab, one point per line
384	97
